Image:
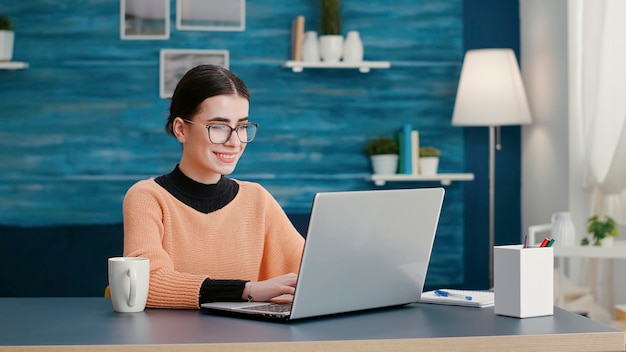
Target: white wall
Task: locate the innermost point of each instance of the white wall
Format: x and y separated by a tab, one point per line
545	157
552	156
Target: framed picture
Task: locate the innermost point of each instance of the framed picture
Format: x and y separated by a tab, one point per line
176	62
144	19
211	15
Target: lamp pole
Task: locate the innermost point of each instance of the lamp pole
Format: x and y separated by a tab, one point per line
492	182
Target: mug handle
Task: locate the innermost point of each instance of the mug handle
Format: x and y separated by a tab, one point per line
132	274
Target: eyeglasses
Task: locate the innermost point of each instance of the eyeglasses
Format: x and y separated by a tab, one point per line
221	133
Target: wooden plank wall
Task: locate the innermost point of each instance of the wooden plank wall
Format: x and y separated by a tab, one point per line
85	121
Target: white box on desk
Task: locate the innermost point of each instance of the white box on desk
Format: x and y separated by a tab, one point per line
523	281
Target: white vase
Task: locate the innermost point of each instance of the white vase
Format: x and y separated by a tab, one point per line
310	47
563	230
353	48
428	165
6	45
331	48
384	164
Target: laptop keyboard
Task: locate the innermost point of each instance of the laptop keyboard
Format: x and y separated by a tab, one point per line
272	307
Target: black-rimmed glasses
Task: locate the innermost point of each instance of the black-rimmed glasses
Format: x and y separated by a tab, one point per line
221	133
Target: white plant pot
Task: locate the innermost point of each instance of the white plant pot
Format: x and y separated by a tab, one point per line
331	48
429	165
384	164
6	45
607	241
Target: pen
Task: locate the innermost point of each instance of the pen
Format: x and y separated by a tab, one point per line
544	242
550	243
526	241
443	293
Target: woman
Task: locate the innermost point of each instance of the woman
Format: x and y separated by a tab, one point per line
209	237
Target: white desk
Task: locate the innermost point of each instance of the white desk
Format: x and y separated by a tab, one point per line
617	251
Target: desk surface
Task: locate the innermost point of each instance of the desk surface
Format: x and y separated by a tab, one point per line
81	324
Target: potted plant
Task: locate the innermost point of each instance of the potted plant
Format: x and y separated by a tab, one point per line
331	40
429	160
383	152
6	38
601	230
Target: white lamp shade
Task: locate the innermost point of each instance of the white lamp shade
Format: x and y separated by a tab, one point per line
490	92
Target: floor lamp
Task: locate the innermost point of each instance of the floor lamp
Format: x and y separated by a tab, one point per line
491	93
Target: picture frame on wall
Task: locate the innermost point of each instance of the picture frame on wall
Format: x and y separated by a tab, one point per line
174	63
211	15
144	19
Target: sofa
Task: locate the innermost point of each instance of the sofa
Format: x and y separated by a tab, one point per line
65	261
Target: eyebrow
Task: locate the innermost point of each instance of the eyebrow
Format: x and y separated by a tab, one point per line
223	119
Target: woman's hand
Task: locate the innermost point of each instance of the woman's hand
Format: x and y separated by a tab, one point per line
280	289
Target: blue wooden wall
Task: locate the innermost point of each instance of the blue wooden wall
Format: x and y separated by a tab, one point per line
85	121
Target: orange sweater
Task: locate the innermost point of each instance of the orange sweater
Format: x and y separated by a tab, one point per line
251	238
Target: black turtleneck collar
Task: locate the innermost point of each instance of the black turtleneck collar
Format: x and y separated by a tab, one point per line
202	197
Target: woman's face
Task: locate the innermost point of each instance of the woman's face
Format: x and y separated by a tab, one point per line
202	160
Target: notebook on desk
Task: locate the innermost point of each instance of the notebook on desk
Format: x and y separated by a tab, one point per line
468	298
363	250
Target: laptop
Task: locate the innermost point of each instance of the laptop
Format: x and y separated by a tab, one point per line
364	250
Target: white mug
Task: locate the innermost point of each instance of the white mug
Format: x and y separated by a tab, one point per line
129	278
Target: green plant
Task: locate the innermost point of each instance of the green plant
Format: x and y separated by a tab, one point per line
599	229
5	23
330	20
429	152
382	145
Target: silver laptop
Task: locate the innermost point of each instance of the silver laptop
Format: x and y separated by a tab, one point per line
363	250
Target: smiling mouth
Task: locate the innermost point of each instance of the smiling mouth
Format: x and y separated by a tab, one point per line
226	156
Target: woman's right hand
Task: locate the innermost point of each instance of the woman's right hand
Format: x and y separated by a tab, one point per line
280	288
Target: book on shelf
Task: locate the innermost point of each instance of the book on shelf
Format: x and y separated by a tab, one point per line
407	156
297	37
401	152
415	152
408	141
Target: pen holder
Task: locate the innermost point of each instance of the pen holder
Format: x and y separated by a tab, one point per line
523	281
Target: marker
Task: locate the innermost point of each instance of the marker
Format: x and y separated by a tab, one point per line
550	243
544	242
443	293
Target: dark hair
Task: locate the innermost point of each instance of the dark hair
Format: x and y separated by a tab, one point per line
198	84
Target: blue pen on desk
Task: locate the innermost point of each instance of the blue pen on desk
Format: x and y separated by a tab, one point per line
443	293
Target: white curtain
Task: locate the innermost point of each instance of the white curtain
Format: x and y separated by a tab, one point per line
597	61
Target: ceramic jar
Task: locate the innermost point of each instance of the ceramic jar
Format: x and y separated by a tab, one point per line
310	47
353	47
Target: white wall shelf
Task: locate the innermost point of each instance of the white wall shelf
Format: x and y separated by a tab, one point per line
12	65
445	179
363	66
